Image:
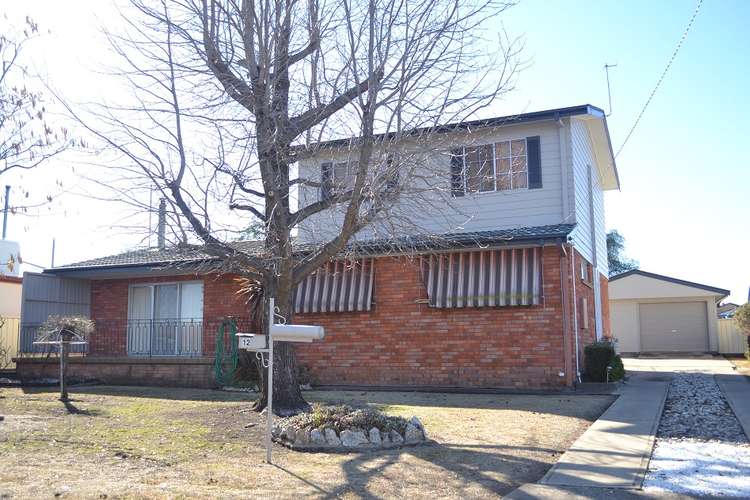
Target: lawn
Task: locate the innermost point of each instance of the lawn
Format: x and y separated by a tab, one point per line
156	442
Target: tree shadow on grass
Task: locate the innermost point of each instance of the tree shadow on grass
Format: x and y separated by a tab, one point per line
494	469
169	393
72	409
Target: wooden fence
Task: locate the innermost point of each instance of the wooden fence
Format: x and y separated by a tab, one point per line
731	339
9	328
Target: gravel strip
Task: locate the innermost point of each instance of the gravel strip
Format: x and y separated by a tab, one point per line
696	409
700	446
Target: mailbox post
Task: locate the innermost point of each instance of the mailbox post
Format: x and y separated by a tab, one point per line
280	332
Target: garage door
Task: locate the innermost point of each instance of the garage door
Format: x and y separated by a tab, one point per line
674	326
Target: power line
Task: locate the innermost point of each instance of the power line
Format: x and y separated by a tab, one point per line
663	74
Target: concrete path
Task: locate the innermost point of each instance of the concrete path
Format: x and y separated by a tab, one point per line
614	452
736	389
611	458
531	491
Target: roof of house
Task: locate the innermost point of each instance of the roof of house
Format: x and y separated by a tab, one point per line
726	307
5	278
194	254
499	121
638	272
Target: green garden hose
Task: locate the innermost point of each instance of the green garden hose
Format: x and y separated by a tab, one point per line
225	376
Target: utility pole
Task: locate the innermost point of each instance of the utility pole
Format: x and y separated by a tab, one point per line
5	211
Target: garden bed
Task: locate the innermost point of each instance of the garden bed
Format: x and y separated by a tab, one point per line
345	429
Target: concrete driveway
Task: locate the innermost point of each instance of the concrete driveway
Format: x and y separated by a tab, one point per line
611	459
702	363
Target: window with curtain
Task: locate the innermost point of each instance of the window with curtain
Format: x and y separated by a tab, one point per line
165	319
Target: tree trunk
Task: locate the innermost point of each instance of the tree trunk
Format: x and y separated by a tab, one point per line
287	396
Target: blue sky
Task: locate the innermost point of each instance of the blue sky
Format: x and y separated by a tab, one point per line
684	205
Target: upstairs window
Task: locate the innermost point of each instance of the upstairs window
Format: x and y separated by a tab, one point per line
344	175
501	166
339	177
496	167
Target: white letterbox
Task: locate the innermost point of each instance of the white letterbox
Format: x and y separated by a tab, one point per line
297	333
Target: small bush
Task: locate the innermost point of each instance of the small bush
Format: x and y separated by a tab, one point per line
344	417
597	357
618	370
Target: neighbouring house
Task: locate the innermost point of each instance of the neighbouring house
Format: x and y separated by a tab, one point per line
655	313
726	310
10	296
10	301
507	297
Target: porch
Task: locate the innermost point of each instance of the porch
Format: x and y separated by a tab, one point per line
180	353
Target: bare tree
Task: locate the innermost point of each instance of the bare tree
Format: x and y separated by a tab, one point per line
27	137
228	98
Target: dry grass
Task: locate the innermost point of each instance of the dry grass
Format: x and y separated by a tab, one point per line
152	442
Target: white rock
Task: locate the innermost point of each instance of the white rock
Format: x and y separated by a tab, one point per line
352	439
289	433
331	438
374	436
396	437
317	437
302	438
412	434
386	438
418	424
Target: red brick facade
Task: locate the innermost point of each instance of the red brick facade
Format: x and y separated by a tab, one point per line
401	341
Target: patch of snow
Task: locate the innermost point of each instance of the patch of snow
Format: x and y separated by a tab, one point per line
695	467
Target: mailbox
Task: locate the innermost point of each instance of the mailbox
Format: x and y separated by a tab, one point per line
296	333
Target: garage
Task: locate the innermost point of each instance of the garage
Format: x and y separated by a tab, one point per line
653	313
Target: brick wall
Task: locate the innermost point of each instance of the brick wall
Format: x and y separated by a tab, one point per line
198	372
403	341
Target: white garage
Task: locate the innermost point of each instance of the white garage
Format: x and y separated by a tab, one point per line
654	313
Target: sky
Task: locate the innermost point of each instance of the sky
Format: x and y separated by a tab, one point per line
684	202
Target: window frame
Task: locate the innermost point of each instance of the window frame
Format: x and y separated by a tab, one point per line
510	158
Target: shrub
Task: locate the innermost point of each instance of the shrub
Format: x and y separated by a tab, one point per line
344	417
618	370
597	357
742	318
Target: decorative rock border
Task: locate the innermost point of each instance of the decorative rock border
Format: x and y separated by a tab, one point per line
349	440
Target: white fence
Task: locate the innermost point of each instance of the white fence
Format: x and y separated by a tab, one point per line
8	342
731	339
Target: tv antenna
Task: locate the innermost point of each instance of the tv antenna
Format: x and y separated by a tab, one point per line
609	91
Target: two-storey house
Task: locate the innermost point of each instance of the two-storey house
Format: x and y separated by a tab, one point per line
489	271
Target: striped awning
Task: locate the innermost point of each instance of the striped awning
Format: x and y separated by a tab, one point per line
338	286
489	278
